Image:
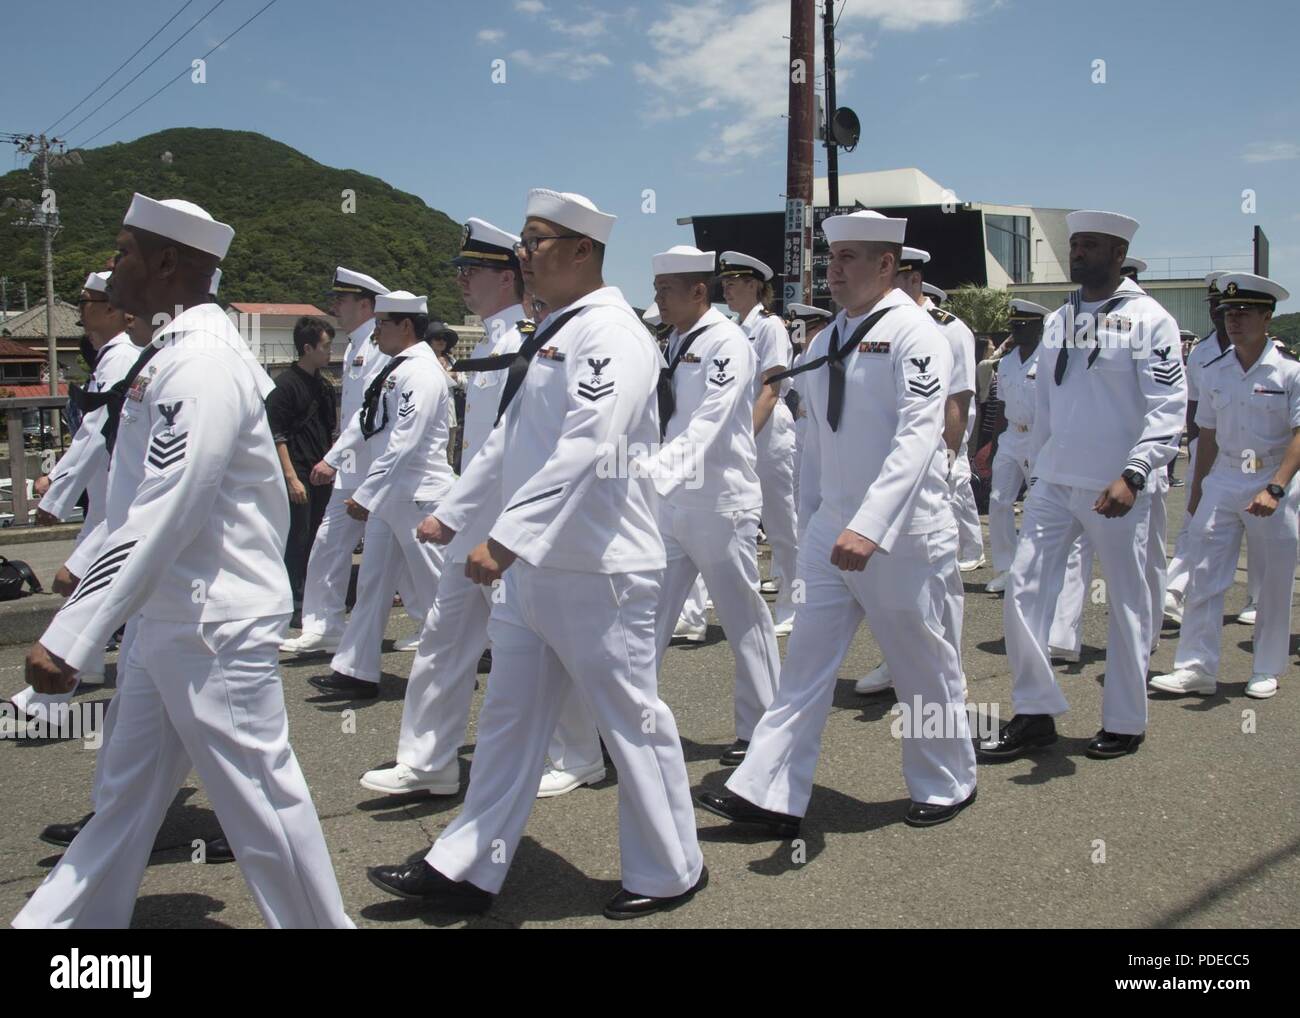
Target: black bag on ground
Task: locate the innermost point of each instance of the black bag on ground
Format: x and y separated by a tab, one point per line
13	574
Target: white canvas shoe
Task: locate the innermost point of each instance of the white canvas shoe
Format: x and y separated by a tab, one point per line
1173	607
400	779
769	587
1182	681
557	782
973	564
1261	687
311	643
1247	616
785	628
685	631
998	584
1061	654
874	681
407	644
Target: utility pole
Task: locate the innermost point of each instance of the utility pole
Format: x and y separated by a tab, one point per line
45	216
799	152
832	149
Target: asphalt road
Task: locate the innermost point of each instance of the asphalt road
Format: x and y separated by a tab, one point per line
1198	829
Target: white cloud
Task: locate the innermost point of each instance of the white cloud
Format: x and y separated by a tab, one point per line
731	57
530	6
1271	151
490	35
593	27
568	64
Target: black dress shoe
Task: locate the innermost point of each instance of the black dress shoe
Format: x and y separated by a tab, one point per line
735	756
346	685
418	881
62	834
742	811
924	814
218	850
1020	735
1108	745
626	905
485	662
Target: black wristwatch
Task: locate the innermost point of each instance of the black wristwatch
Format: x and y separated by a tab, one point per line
1134	479
1277	491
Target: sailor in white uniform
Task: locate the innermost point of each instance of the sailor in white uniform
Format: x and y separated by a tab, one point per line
404	417
880	542
435	714
1244	482
194	464
582	559
747	289
329	567
1017	372
1109	414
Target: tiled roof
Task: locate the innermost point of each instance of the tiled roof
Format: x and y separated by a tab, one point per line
30	324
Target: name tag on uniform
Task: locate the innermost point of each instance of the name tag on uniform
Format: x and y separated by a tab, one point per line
550	353
874	346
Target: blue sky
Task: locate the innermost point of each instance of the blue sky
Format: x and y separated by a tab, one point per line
992	98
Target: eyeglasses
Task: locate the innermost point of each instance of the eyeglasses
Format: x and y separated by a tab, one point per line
529	245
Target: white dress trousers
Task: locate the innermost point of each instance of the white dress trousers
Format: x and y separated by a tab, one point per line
209	693
776	445
1008	478
901	595
603	643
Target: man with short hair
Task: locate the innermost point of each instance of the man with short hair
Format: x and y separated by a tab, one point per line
1100	365
1244	481
582	560
197	517
880	543
302	416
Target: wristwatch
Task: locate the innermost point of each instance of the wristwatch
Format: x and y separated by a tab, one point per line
1277	491
1134	479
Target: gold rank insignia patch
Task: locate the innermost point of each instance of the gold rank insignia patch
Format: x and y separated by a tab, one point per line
874	346
550	353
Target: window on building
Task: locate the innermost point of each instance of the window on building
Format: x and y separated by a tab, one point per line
1007	238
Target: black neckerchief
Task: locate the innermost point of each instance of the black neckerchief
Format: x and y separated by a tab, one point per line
834	359
1076	298
667	398
374	396
115	397
497	361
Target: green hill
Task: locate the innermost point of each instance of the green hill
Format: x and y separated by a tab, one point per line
1287	329
290	231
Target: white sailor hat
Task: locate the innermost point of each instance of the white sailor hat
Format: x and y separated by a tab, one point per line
1241	289
347	281
1112	224
401	302
736	265
1027	311
864	224
96	282
181	221
575	211
913	258
651	315
1136	264
938	295
806	311
683	258
215	284
486	245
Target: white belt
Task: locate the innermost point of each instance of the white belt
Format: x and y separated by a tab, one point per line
1255	463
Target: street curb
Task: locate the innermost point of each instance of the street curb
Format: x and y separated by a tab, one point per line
35	535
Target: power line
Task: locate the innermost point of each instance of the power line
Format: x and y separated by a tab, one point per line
184	71
119	68
144	68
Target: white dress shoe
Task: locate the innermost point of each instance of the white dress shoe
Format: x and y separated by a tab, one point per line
1261	687
1247	616
1182	681
400	779
686	631
1060	654
973	564
874	681
784	628
998	584
708	605
311	643
557	782
1173	607
769	587
407	645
